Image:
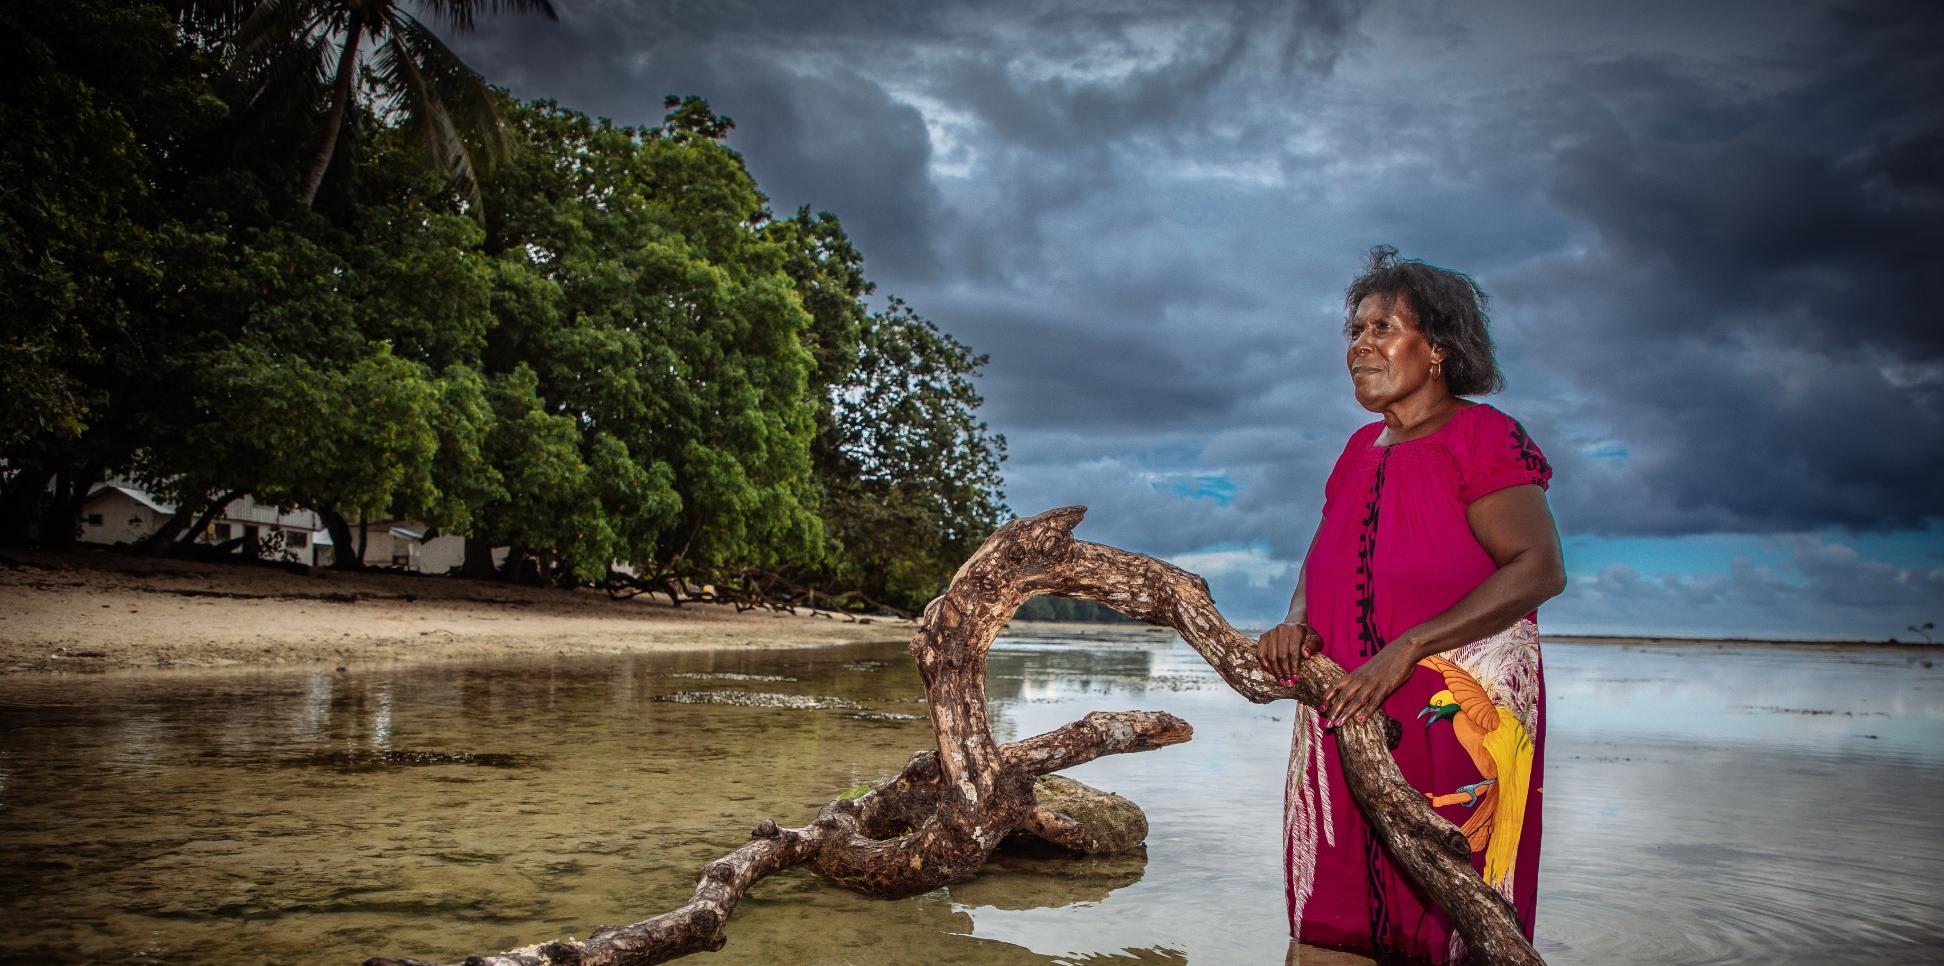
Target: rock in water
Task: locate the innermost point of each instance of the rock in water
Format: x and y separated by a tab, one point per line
1108	822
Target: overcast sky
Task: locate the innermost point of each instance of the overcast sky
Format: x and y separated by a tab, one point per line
1711	232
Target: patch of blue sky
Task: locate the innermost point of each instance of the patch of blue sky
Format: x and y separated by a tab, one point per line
1713	553
1198	486
1683	556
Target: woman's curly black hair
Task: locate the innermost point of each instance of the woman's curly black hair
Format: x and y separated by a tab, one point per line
1450	310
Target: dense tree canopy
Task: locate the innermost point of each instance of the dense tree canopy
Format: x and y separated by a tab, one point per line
604	349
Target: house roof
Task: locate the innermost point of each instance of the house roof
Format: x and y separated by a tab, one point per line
141	496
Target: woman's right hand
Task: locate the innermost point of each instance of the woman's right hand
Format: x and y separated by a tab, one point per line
1282	648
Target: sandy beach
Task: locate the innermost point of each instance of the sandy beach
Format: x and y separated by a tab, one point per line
93	610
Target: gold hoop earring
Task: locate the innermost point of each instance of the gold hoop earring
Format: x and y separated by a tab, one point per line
1437	370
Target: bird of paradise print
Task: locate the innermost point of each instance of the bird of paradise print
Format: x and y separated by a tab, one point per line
1499	742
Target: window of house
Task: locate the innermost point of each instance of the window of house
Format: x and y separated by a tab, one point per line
296	539
94	519
222	532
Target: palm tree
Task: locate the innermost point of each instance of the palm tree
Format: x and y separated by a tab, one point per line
286	48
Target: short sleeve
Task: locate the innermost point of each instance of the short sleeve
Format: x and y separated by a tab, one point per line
1493	452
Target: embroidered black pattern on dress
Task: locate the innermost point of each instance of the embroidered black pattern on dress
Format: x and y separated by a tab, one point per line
1380	944
1528	453
1366	553
1372	643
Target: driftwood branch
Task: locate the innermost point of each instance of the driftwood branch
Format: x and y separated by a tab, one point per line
941	817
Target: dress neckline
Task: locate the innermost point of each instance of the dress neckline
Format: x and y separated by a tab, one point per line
1430	435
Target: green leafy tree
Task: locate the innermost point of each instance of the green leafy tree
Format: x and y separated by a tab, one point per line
98	102
657	319
910	473
604	348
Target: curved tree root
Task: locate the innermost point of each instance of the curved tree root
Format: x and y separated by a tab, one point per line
939	819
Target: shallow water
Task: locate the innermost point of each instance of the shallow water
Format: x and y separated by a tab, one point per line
440	811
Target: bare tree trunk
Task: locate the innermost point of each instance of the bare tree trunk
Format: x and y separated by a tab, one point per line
210	513
21	503
347	70
62	521
164	537
939	819
344	556
479	559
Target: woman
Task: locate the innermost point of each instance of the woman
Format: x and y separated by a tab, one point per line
1435	549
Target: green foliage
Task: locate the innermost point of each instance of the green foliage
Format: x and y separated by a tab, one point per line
652	316
911	473
603	349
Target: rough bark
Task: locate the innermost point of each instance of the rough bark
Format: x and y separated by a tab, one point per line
940	818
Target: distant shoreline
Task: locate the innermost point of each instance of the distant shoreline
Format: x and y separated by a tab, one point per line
1088	629
92	611
1729	641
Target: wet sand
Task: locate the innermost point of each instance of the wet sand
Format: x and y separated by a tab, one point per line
94	610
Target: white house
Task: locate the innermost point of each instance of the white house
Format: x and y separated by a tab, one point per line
117	513
402	545
121	512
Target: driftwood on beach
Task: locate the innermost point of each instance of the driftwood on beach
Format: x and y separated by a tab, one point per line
939	819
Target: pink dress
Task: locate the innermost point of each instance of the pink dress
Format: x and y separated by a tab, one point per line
1394	549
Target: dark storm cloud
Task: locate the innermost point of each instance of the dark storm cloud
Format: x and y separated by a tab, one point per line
815	131
1712	233
1755	292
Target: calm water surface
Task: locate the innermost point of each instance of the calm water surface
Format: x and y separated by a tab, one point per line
1703	805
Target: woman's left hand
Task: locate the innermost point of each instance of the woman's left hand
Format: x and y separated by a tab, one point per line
1361	693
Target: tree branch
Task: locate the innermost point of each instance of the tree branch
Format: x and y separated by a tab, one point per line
939	819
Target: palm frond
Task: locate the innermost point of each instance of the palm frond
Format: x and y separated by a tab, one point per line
290	73
272	22
460	14
447	112
224	16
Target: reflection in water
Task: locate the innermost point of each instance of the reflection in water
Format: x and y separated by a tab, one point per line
1703	805
1038	875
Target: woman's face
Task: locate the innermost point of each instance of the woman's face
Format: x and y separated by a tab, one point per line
1389	358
